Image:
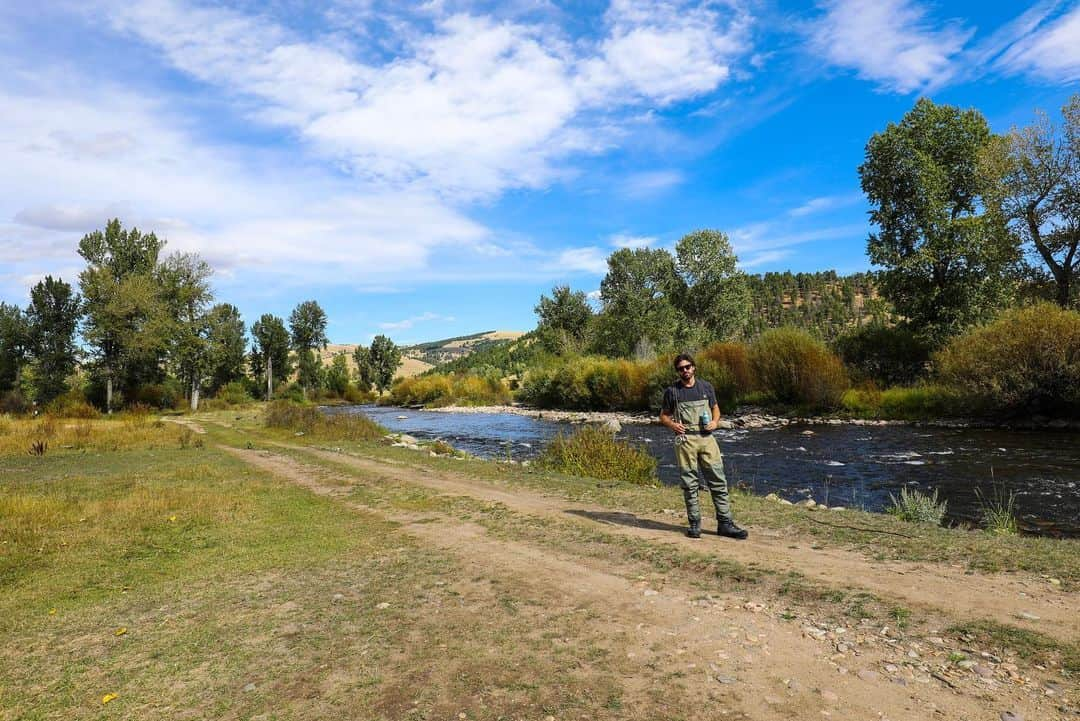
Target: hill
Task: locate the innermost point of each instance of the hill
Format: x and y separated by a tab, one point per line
409	366
451	349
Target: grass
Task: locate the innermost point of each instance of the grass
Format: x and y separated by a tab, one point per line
1030	645
915	506
84	435
594	452
998	511
309	420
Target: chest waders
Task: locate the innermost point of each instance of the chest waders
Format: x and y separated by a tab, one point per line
699	459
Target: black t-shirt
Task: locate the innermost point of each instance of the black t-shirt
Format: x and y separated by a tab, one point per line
687	404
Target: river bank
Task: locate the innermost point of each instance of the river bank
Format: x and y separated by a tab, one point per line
753	417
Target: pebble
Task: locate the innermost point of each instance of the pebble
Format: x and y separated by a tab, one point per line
829	697
249	688
983	671
967	663
773	701
1011	716
651	592
338	596
725	679
383	605
868	675
794	685
1029	616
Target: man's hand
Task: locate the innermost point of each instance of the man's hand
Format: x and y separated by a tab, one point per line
710	426
679	428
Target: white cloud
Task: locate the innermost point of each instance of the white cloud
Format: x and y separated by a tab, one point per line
889	42
623	240
824	203
650	183
410	322
1051	52
764	258
589	260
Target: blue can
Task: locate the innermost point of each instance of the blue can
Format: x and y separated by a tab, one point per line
705	419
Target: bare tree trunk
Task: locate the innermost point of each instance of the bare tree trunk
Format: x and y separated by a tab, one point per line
108	395
269	377
194	394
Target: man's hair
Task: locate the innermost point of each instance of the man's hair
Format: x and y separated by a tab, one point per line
680	358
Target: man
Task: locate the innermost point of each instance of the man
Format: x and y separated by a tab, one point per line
690	410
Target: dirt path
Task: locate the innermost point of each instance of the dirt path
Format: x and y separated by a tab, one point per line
1017	599
748	659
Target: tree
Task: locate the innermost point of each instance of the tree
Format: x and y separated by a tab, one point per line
52	318
1034	174
638	309
14	339
385	359
184	279
714	292
270	351
564	320
225	340
126	324
365	371
946	262
337	375
307	326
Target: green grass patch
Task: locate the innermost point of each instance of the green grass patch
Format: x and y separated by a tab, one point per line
593	451
1029	645
311	421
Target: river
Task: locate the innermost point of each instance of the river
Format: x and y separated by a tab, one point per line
841	465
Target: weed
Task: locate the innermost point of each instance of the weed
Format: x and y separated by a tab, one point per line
957	657
998	511
442	448
594	452
901	617
310	421
915	506
1028	644
38	448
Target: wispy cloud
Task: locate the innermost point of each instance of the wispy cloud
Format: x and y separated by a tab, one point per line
1050	51
589	260
824	203
889	42
623	240
410	322
650	183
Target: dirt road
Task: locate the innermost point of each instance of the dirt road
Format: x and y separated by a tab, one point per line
701	651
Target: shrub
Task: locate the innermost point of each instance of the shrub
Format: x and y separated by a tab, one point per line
795	368
917	507
309	420
1026	361
915	403
449	389
73	405
998	511
886	355
594	452
734	358
14	402
235	394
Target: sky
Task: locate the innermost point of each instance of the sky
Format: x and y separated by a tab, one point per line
429	169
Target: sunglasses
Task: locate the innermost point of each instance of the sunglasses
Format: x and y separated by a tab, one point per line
683	368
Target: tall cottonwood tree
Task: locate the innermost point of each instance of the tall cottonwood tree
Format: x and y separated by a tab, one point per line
126	325
365	372
385	359
713	294
564	321
1034	176
14	338
637	297
225	345
184	279
52	318
270	351
946	262
307	327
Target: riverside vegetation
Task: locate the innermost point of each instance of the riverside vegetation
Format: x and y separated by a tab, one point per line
307	576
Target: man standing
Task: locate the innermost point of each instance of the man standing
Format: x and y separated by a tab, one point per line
690	410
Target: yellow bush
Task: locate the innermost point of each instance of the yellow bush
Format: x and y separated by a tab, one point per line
793	367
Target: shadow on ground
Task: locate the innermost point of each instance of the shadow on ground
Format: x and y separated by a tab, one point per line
627	519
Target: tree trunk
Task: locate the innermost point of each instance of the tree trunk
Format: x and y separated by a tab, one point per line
194	395
269	377
1063	282
108	395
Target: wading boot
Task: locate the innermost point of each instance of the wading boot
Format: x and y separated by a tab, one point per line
728	529
695	529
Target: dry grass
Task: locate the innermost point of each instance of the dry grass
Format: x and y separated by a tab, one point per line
65	435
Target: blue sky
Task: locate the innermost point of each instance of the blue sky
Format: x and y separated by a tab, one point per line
429	169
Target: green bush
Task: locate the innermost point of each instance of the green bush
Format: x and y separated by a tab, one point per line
309	420
1026	361
998	511
919	402
594	452
235	394
795	368
73	405
917	507
889	356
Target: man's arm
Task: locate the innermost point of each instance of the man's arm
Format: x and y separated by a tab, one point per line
666	407
715	417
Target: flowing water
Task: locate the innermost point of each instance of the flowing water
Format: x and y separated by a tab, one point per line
840	465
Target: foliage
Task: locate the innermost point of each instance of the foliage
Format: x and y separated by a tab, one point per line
910	403
1034	180
270	349
226	342
234	393
184	281
593	451
365	372
504	357
916	507
998	511
385	359
564	321
1027	361
886	355
713	294
309	420
14	341
307	326
797	369
946	262
588	383
637	304
337	375
52	317
463	389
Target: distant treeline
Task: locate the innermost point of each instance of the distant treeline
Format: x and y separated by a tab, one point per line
152	335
